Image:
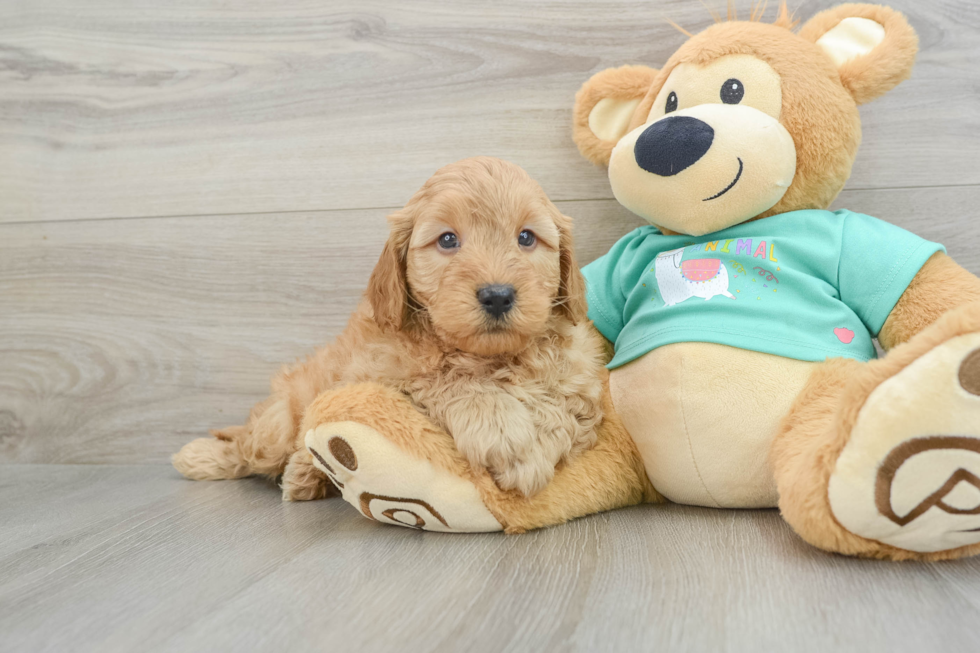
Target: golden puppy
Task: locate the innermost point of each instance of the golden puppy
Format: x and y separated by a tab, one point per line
476	311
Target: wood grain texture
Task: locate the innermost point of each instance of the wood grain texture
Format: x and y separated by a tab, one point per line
140	108
123	339
117	558
277	135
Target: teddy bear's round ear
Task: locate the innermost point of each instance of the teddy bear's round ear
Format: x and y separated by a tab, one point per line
872	46
604	108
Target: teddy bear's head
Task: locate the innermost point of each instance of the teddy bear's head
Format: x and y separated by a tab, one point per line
746	120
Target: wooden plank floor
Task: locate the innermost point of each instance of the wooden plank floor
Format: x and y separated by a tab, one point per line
193	192
134	558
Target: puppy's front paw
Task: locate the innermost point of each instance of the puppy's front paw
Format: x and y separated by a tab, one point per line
527	475
496	431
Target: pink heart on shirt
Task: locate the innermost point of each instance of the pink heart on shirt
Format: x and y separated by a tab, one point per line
844	334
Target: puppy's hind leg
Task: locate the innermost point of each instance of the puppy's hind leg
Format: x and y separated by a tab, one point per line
302	481
262	446
216	458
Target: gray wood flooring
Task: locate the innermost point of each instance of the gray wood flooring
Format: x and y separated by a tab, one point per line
134	558
193	192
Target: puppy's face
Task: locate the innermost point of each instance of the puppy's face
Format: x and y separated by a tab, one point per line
488	275
488	260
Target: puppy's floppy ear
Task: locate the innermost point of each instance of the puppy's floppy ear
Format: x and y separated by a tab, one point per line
571	292
388	288
604	108
872	46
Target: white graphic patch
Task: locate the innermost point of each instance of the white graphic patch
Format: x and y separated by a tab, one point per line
680	280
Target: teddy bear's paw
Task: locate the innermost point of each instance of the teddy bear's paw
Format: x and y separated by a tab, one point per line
910	474
391	486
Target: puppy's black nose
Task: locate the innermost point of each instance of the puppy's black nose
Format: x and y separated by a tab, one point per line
672	144
496	299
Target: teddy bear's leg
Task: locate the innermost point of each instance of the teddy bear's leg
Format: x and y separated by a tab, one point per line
392	464
882	459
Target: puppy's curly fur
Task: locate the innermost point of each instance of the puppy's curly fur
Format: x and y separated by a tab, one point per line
518	393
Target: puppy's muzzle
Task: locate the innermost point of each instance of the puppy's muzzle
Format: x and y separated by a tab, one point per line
496	299
673	144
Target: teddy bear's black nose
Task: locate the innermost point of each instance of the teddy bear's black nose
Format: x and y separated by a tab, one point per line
672	144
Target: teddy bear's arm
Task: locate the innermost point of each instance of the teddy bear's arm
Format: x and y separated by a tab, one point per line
939	287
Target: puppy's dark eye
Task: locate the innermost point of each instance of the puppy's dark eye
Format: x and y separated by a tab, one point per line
732	91
671	103
448	240
526	238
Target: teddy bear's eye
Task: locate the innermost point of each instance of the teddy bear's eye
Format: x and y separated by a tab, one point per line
732	91
671	103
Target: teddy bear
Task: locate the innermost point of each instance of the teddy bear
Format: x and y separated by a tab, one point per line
742	319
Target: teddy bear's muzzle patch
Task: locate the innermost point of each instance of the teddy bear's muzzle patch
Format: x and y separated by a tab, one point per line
704	168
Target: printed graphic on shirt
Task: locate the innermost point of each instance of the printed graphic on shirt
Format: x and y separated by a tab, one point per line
844	334
680	280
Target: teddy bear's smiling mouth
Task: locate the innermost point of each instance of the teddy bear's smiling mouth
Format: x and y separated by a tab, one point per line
729	186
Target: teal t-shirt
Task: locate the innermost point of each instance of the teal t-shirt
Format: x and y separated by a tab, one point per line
806	285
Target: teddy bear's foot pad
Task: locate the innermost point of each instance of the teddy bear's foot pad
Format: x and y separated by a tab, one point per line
910	474
390	486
